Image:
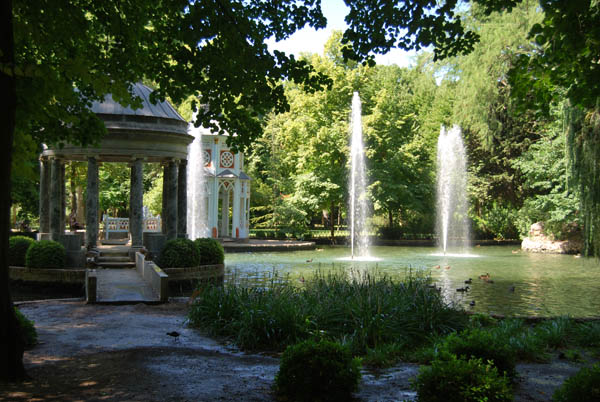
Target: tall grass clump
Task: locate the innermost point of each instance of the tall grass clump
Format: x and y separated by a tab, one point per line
360	310
521	339
253	318
587	334
554	333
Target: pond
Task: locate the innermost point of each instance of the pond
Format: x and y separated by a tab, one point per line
521	284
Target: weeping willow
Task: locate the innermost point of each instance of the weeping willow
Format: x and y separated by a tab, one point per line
583	150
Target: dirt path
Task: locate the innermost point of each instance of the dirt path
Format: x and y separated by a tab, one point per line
122	353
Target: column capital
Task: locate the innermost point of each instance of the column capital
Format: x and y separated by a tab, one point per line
133	161
167	161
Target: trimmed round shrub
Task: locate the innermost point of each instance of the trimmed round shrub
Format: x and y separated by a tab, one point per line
17	248
485	345
45	254
179	253
459	380
211	251
317	371
27	329
583	386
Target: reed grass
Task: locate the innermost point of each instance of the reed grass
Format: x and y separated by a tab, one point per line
362	310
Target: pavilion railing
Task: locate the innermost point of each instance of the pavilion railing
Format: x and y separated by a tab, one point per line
121	225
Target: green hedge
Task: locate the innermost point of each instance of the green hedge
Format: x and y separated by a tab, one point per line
179	253
211	251
317	371
27	329
45	254
583	386
451	379
17	249
484	345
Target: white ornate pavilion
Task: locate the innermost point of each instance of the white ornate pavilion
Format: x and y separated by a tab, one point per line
226	192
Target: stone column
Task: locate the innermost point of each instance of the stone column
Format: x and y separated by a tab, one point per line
171	215
45	169
182	199
63	199
55	202
136	204
91	204
165	196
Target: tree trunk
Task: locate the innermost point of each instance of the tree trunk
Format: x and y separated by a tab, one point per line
390	218
332	223
80	205
11	340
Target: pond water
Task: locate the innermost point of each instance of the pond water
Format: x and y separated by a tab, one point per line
521	284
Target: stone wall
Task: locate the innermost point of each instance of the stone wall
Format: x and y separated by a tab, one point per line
539	242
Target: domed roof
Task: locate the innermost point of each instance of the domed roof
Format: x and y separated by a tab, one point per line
155	132
160	109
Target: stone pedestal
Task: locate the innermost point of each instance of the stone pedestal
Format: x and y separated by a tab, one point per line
154	243
75	252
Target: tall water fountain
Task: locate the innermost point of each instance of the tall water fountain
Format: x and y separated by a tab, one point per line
197	223
359	233
452	205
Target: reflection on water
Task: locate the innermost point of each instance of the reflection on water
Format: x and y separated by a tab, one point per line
519	283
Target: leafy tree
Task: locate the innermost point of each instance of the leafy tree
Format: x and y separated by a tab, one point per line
399	157
583	139
114	182
566	56
494	133
545	168
565	61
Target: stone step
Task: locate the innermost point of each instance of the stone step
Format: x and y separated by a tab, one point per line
106	264
113	258
116	252
115	242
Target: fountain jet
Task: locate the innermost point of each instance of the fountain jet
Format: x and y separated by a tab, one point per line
359	233
452	206
197	223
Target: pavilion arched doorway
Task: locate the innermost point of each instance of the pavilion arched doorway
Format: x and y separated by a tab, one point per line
225	209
